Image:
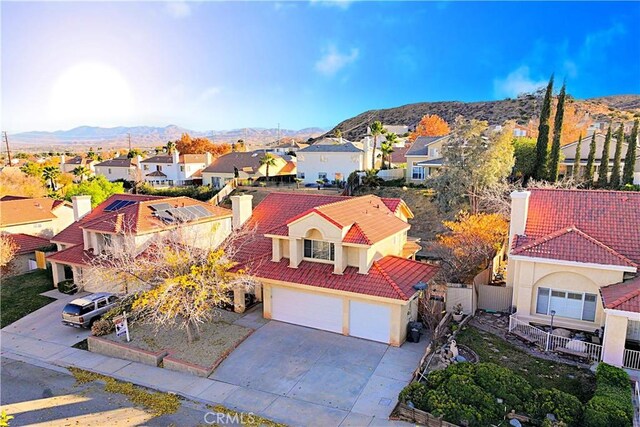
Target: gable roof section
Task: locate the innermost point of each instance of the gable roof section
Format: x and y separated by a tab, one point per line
421	144
623	296
19	210
240	160
331	145
118	162
571	244
26	243
611	218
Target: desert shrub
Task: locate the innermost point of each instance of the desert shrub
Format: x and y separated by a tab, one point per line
612	404
102	327
566	407
203	193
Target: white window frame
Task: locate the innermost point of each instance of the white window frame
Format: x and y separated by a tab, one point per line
566	293
332	251
420	169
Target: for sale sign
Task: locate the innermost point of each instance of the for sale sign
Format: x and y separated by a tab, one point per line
122	328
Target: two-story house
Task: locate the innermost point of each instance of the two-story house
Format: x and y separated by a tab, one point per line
333	159
68	165
424	157
246	167
340	264
120	168
574	261
35	216
135	220
174	169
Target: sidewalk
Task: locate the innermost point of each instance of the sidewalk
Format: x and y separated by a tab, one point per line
57	356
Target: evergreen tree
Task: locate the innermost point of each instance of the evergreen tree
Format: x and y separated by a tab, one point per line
603	171
576	160
588	172
554	158
543	134
614	181
630	158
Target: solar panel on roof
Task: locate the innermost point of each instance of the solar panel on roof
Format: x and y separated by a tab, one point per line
118	204
160	206
204	213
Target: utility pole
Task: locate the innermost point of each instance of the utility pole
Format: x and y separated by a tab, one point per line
6	141
278	141
129	136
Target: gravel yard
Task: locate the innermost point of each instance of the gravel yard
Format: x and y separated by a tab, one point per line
216	338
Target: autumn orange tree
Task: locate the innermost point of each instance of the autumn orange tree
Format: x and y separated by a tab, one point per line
470	244
188	145
430	125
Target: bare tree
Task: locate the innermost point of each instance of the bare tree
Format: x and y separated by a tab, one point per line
431	307
8	249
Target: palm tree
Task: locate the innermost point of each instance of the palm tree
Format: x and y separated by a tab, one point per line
376	129
387	147
51	173
81	171
171	145
269	160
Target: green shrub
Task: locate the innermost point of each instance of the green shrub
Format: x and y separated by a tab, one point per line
202	193
102	327
566	407
514	390
414	392
67	287
612	404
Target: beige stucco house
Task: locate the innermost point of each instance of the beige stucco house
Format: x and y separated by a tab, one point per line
130	219
340	264
424	158
35	216
574	258
246	167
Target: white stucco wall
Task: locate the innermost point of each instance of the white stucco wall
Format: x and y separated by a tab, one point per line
115	173
311	164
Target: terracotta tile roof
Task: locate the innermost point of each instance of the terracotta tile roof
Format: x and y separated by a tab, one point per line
623	296
75	255
356	235
15	211
571	244
289	169
137	218
611	218
26	243
389	277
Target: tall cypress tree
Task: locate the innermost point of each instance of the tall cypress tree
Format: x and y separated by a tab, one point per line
576	160
588	172
614	181
540	167
603	171
630	158
554	158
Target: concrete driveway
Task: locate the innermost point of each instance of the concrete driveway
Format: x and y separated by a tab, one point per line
44	324
341	380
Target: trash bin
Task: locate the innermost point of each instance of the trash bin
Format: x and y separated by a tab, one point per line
414	330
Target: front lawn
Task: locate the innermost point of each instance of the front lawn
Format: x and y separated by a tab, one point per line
19	295
540	373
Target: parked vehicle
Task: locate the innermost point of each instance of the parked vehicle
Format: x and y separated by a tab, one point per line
82	312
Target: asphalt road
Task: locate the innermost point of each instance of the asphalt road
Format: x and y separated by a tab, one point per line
38	396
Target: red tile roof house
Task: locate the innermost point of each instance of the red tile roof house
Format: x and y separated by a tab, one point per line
575	254
140	217
25	258
36	216
333	263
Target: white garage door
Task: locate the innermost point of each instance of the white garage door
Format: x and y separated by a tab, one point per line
370	321
301	308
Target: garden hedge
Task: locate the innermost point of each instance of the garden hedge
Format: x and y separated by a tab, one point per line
612	403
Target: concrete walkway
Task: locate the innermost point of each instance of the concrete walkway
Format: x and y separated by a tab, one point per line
43	349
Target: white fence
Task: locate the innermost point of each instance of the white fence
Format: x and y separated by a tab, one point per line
391	174
631	359
550	342
460	294
224	192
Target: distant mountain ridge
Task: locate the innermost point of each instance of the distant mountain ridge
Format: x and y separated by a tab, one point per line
521	109
149	136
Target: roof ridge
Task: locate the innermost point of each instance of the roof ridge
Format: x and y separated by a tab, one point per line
361	231
390	280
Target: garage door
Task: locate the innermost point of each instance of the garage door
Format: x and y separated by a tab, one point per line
370	321
306	309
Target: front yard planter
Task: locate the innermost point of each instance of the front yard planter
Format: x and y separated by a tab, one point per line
122	351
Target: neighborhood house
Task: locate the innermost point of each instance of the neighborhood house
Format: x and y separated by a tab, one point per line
424	157
340	264
174	169
120	168
247	168
40	216
333	159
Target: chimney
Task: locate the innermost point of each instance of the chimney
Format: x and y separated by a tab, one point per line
209	158
519	212
81	206
176	156
242	208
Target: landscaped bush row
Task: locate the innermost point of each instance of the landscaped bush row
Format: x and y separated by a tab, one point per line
201	192
481	394
612	404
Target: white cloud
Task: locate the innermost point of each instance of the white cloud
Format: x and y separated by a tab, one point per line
516	82
209	93
340	4
178	9
333	60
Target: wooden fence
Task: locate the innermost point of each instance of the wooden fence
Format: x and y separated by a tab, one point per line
494	298
417	416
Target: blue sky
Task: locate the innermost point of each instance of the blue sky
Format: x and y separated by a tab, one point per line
224	65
